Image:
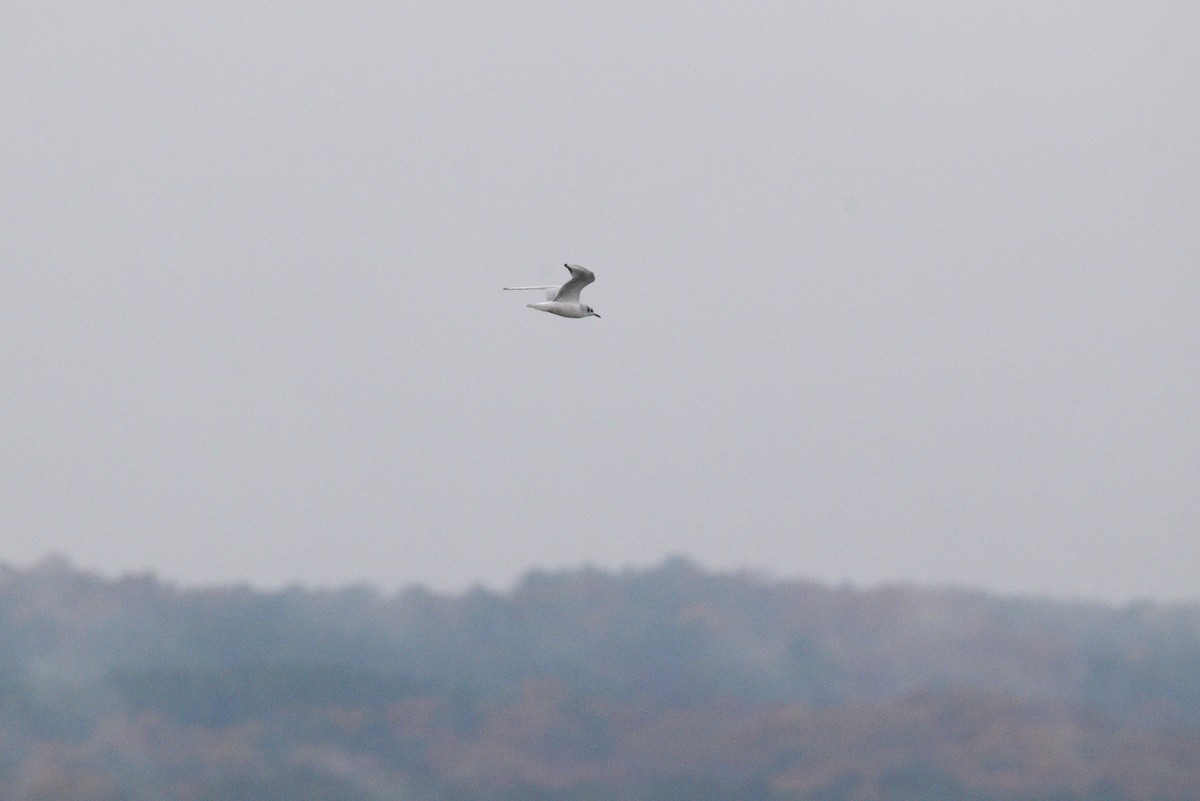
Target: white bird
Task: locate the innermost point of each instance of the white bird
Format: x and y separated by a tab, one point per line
564	300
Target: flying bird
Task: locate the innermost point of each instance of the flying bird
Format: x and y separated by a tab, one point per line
564	300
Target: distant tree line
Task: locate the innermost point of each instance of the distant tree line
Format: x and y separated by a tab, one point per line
669	683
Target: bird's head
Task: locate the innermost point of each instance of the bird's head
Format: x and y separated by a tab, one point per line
591	312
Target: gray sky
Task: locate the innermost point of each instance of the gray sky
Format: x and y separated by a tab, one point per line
894	291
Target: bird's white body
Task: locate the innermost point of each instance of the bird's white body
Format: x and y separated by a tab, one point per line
564	300
563	309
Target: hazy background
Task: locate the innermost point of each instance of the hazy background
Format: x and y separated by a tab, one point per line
890	291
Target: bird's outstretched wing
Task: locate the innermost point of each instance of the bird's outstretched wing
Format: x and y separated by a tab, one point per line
551	291
580	277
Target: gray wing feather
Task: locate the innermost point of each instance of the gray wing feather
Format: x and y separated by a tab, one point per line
580	277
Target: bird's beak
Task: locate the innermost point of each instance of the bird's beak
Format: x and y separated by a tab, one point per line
596	315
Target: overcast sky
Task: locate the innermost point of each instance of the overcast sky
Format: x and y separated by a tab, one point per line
890	291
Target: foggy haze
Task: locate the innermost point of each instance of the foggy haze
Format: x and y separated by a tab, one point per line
899	292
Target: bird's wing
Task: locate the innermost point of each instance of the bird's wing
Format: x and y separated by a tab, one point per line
551	290
580	277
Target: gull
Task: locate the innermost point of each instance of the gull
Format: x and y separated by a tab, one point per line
564	300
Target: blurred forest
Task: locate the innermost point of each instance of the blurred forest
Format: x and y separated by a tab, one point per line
670	684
